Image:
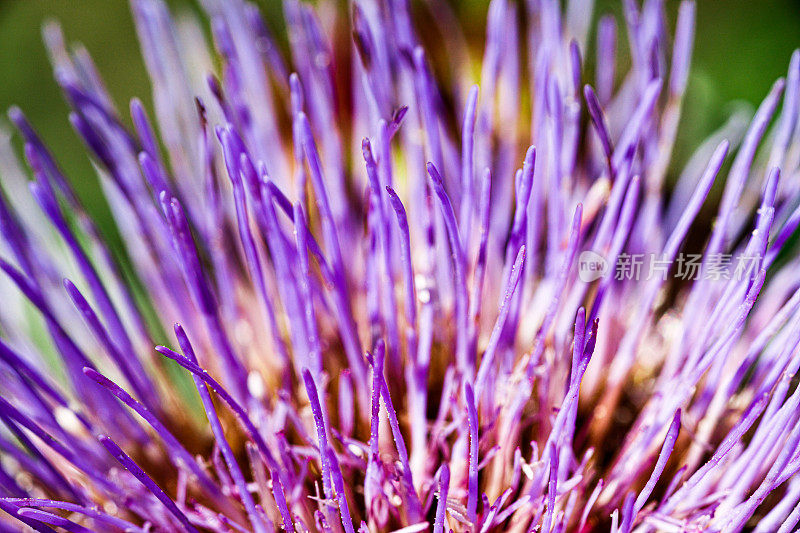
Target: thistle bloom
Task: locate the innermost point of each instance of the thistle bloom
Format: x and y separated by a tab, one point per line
380	324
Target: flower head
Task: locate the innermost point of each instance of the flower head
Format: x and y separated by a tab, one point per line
375	322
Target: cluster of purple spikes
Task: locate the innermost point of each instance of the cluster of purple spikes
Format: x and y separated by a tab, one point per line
380	324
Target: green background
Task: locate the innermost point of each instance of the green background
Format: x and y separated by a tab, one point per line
741	47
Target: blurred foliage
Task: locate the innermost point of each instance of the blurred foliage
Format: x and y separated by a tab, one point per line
741	47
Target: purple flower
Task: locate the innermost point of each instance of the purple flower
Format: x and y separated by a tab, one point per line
381	325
